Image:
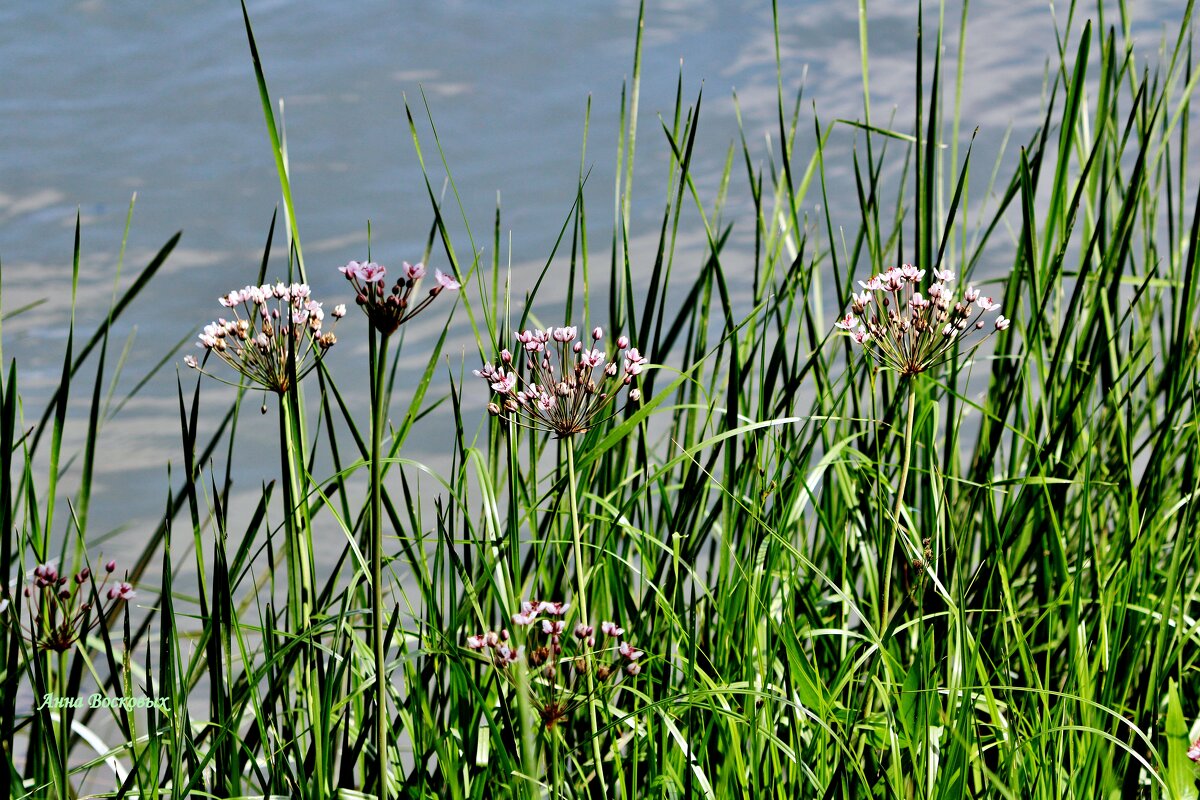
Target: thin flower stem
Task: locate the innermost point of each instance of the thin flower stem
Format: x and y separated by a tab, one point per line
378	360
887	574
554	767
301	581
580	565
301	578
581	579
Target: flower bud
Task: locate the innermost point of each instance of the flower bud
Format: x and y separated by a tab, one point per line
110	567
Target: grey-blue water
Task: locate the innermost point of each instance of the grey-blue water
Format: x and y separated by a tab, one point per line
102	99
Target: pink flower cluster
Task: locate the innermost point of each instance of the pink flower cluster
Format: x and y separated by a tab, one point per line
63	612
272	334
566	386
908	331
389	309
560	688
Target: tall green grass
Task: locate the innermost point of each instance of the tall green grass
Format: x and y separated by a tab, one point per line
1035	635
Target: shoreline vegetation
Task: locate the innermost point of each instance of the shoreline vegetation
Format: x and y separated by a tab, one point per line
909	527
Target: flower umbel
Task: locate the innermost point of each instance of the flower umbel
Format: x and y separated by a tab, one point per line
559	662
389	309
565	388
62	613
909	332
271	325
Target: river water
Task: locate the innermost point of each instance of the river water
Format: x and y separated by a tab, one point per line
103	99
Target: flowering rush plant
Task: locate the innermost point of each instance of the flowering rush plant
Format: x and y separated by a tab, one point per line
270	324
559	663
62	612
559	383
910	332
389	309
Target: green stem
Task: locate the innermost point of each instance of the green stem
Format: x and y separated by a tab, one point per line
301	578
577	535
887	574
378	362
582	602
301	581
555	767
64	736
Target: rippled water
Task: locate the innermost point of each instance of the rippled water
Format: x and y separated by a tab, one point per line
104	99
